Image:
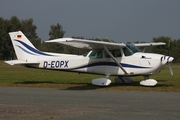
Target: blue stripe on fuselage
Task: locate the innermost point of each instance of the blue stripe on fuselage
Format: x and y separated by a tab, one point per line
31	49
25	50
109	64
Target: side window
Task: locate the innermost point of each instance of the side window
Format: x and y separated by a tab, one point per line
96	54
115	53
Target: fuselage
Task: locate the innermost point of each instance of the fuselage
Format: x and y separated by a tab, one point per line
136	64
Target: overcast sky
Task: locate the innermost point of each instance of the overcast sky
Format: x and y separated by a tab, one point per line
119	20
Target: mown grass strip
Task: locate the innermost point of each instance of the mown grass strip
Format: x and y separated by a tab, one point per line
19	76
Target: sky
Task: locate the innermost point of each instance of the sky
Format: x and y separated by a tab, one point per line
119	20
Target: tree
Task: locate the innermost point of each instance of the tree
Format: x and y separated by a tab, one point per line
175	50
2	37
164	49
14	24
6	48
29	29
170	49
55	32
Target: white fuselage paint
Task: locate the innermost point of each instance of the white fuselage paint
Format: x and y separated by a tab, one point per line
134	64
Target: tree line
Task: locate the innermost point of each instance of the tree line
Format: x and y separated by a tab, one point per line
27	26
29	29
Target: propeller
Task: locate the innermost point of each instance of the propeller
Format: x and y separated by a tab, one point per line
169	60
170	69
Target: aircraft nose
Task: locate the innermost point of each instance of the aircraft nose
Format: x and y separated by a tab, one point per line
166	59
169	59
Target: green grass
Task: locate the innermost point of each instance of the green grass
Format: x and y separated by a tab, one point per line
19	76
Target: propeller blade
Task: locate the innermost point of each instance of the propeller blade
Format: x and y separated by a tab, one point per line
170	69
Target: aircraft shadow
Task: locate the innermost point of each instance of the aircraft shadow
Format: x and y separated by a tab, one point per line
82	86
89	86
69	86
114	86
35	82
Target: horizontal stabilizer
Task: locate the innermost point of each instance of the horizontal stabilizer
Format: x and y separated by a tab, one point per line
13	62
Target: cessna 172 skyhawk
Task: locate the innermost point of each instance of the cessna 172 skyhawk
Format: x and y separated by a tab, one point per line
106	58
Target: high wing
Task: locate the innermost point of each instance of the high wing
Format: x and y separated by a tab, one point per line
149	44
91	44
87	44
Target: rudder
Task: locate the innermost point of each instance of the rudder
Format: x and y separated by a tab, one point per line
22	46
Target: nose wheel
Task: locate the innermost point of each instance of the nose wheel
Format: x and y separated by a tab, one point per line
148	82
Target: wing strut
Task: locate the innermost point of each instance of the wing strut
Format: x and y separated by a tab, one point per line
115	60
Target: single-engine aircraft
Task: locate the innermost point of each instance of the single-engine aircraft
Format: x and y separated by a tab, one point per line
106	58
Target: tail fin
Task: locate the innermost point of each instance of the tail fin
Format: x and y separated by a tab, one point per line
24	49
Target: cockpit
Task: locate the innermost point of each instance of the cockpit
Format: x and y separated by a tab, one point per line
129	50
133	48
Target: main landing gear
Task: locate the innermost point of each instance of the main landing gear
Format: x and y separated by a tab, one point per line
148	82
122	79
102	81
106	81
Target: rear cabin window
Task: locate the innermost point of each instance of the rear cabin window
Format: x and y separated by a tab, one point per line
115	53
96	54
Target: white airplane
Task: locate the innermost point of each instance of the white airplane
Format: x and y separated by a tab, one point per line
106	58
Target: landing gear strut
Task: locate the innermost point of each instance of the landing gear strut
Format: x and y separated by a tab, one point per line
122	79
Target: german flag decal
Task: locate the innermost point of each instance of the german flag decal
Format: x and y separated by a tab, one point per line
19	36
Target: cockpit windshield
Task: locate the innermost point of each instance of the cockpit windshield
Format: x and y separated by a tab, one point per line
133	48
85	54
127	51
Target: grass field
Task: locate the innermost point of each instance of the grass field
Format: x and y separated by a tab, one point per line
19	76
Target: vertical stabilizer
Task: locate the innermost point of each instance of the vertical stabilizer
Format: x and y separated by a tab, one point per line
24	49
